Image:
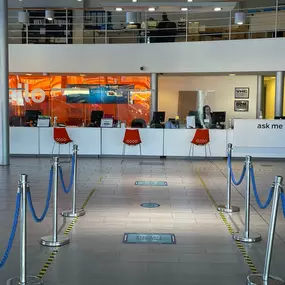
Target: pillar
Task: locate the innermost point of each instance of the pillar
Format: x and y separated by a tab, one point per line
279	94
4	85
260	96
154	93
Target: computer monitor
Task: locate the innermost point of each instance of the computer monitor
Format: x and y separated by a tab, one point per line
32	115
158	117
96	116
218	117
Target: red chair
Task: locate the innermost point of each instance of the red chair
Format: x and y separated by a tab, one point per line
131	138
201	138
61	137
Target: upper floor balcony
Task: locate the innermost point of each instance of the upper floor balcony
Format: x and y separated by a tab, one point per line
140	24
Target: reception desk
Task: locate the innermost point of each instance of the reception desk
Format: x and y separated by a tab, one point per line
258	138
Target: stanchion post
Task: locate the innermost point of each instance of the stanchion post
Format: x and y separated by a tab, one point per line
55	240
23	278
255	279
228	208
247	235
73	213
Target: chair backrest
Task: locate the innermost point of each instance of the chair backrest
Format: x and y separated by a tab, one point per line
201	137
132	137
60	135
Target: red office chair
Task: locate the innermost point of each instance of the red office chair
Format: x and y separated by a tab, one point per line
61	137
131	138
201	138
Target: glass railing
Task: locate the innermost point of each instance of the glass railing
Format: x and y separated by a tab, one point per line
100	27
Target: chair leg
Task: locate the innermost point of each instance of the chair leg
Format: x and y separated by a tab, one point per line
210	154
140	145
124	152
205	148
52	149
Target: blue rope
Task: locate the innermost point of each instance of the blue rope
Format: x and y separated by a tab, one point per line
30	202
232	173
67	190
270	196
283	202
13	231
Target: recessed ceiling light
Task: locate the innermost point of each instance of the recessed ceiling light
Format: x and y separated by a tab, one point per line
82	74
79	0
119	9
217	9
135	0
184	9
232	74
190	0
151	9
28	74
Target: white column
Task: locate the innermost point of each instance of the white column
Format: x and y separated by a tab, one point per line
279	94
4	84
260	95
154	93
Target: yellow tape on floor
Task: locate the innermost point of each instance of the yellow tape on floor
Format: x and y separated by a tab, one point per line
67	231
230	229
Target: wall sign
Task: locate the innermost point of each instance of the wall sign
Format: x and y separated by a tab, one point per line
252	133
241	106
241	93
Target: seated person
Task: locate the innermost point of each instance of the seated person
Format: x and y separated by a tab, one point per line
207	117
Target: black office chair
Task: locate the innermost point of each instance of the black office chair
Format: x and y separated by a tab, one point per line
138	123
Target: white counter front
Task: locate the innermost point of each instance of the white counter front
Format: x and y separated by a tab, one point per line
177	143
152	142
258	138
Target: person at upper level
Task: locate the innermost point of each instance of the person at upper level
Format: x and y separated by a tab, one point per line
167	30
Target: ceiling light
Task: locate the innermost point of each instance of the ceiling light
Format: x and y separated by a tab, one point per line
119	9
190	0
28	74
135	1
184	9
217	9
151	9
23	17
49	14
82	75
239	18
232	74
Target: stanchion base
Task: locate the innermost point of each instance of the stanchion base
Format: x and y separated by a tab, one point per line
256	279
30	280
48	241
70	214
253	237
232	209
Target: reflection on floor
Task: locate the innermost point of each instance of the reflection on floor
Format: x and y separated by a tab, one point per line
204	254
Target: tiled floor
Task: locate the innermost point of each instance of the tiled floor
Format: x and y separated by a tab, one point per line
204	254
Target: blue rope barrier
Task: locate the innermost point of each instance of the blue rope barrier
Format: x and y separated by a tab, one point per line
270	196
30	201
283	202
67	189
13	232
232	173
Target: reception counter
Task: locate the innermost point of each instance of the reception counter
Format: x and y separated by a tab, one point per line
258	138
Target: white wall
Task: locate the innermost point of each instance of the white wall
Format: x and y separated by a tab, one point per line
222	99
221	56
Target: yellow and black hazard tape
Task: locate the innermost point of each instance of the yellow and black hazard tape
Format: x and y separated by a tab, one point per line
240	246
67	231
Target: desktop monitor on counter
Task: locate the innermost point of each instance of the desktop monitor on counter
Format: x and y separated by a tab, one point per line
96	117
193	120
218	117
158	117
32	116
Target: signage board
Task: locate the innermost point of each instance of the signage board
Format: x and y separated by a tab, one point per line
259	133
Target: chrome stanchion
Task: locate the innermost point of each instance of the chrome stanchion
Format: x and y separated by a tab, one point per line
228	208
256	279
247	235
74	212
55	240
23	279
